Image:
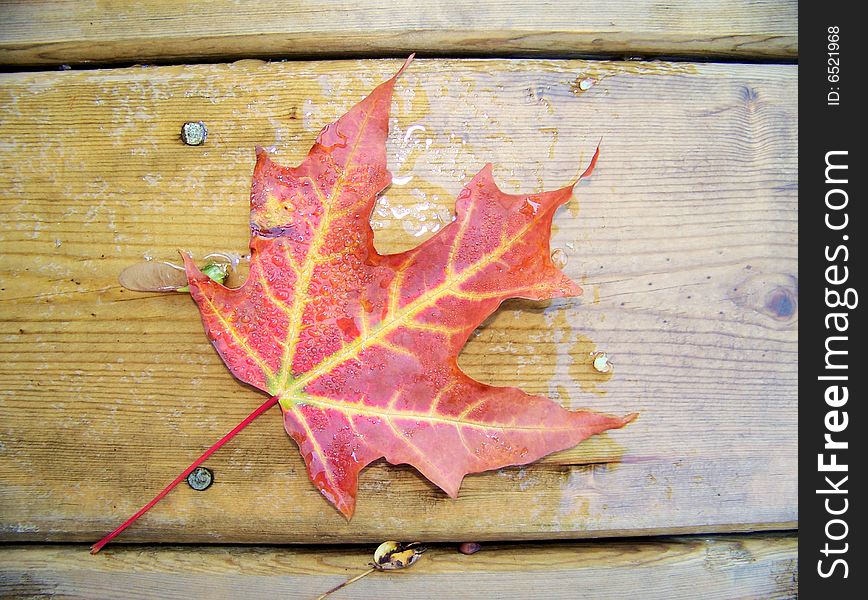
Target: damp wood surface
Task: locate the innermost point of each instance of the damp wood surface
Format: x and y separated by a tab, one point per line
53	33
747	566
684	240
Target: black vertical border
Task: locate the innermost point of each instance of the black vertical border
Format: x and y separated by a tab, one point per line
824	128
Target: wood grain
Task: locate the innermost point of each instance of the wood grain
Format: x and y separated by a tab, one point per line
51	33
754	566
684	240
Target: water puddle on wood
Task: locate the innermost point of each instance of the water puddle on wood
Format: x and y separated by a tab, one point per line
539	348
594	72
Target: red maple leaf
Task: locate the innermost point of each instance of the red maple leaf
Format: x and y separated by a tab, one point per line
360	350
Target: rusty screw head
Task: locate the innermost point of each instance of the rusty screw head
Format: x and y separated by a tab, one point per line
200	479
194	133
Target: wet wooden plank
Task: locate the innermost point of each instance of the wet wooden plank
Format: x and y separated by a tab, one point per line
684	240
51	33
722	567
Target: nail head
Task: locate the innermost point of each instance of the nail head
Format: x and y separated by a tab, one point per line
200	479
194	133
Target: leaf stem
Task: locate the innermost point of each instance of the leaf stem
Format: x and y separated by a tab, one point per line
249	419
346	583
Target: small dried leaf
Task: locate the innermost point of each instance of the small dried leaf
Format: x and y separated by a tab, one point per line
393	555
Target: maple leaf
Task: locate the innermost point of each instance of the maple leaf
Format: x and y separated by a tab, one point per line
359	349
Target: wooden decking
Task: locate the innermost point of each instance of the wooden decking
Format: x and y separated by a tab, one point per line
684	240
755	566
50	33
